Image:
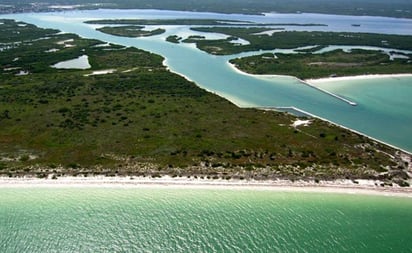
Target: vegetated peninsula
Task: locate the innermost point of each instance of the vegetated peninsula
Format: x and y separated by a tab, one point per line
126	114
329	64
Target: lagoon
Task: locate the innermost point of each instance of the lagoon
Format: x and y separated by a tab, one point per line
380	113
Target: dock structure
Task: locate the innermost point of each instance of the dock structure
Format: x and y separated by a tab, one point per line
329	93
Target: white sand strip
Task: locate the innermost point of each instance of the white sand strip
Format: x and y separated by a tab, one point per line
350	78
367	187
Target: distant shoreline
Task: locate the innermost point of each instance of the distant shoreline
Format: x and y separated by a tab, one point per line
364	187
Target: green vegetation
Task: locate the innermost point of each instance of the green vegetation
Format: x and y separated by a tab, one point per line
24	32
334	63
130	31
144	120
174	39
193	38
393	8
290	39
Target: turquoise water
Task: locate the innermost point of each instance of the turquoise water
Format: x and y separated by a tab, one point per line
196	220
378	113
387	102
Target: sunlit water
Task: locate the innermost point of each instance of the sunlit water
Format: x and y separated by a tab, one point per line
380	113
196	220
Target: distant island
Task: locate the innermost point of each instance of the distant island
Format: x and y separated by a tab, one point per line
131	31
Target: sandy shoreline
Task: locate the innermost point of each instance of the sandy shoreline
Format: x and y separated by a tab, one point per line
365	187
351	78
325	79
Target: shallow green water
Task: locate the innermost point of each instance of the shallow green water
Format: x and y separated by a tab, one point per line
177	220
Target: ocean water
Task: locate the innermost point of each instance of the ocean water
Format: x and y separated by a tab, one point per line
377	113
114	219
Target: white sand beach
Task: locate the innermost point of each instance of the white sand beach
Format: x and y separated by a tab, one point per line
350	78
368	187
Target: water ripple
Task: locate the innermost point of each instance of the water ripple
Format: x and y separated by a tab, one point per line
159	220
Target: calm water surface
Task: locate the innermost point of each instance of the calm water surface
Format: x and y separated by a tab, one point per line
195	220
382	112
